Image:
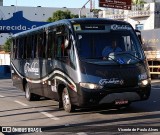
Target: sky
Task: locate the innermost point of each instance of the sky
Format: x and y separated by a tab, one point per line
49	3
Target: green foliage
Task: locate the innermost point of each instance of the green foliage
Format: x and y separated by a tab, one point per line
7	45
95	12
59	14
138	2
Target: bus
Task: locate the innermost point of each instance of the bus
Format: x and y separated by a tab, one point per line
63	61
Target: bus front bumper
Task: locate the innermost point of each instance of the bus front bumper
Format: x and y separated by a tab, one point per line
113	96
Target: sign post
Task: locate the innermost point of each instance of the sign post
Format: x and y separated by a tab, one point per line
117	4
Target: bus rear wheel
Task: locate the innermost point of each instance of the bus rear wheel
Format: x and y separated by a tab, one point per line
29	96
68	107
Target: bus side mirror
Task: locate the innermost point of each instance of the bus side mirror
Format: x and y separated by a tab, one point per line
66	43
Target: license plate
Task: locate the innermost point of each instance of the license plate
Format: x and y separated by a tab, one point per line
121	102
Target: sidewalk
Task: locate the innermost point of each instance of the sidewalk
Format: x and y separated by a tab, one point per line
155	82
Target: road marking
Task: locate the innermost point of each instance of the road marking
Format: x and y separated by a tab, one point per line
155	87
1	96
20	103
82	133
50	115
14	90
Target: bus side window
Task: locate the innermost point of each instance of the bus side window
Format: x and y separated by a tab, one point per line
60	45
12	45
67	44
36	46
29	43
50	45
62	35
41	45
24	48
20	47
44	45
34	38
17	49
14	49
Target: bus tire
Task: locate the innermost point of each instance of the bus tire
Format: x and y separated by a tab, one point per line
68	107
36	97
28	95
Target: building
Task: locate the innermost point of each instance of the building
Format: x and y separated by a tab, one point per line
33	14
39	13
4	58
142	17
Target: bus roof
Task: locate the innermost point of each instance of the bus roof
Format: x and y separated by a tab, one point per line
72	21
96	20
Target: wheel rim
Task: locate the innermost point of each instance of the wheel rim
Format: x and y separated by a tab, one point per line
27	92
66	100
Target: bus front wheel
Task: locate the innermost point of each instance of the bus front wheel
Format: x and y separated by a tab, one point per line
68	107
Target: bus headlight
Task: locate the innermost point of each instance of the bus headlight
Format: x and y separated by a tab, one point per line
91	86
144	82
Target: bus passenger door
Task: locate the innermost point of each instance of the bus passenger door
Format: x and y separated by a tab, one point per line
50	92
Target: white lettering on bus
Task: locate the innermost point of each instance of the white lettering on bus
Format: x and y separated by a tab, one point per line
120	27
32	68
111	81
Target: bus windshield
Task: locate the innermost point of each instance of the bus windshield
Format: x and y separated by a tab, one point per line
91	44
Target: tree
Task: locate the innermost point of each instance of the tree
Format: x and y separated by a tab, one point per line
138	2
59	14
95	12
7	45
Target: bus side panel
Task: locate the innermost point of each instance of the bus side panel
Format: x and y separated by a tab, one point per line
16	70
36	73
62	75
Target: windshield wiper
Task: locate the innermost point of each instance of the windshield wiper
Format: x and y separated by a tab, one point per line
116	61
130	55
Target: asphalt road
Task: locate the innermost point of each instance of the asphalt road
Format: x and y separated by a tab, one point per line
16	113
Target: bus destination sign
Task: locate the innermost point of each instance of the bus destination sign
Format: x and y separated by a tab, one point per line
117	4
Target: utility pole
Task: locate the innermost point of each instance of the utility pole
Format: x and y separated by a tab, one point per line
82	8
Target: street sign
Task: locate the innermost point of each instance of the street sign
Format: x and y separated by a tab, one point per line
117	4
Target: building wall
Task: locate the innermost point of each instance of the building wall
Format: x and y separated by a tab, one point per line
4	59
33	14
148	22
147	15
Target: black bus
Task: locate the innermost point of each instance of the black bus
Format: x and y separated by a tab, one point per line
63	61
